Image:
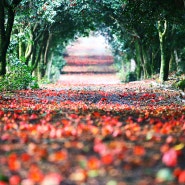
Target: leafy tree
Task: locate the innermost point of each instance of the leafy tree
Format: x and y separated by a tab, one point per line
7	15
140	29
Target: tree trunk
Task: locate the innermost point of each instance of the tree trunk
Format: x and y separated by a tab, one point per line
33	58
49	66
5	33
177	61
164	68
43	66
22	48
2	40
41	71
147	66
36	49
138	61
152	61
143	62
172	63
37	57
47	49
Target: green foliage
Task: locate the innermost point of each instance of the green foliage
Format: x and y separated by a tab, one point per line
18	77
129	26
57	66
130	76
180	84
55	74
123	64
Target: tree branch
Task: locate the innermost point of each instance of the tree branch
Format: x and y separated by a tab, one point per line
162	33
28	52
165	28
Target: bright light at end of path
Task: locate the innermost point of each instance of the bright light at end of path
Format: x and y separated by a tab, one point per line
92	45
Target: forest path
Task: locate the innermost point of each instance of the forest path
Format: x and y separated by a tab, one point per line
83	130
103	134
92	70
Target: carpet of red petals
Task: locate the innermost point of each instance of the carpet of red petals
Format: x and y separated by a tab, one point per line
89	69
86	60
124	134
92	130
89	64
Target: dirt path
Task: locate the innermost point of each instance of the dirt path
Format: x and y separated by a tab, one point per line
89	70
88	79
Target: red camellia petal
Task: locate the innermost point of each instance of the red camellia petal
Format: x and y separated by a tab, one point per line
3	183
170	158
107	159
181	178
93	163
1	113
25	157
35	174
14	180
33	116
100	147
13	162
177	172
58	156
139	150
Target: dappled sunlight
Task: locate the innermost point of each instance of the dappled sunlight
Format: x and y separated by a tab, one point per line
88	46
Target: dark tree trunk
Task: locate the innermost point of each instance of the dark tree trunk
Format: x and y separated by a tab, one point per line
6	11
2	40
5	33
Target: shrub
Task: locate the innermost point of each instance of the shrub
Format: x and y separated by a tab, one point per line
18	77
180	84
130	76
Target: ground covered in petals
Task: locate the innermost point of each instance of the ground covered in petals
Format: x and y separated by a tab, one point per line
127	134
